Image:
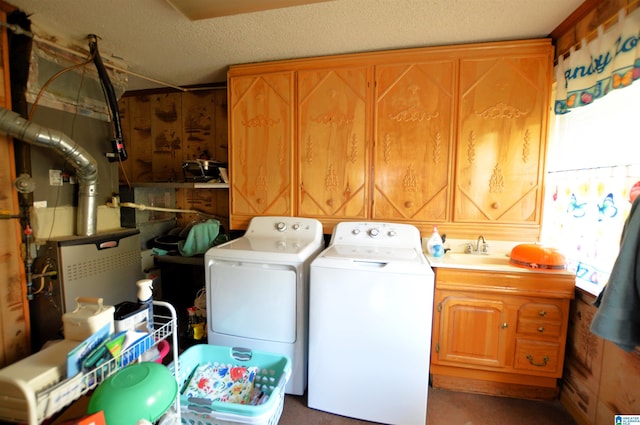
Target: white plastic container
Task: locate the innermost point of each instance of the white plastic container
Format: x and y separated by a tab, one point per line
145	299
89	317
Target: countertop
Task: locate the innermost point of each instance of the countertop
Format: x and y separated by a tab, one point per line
488	262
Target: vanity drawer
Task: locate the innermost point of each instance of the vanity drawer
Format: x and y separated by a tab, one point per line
539	357
538	327
543	311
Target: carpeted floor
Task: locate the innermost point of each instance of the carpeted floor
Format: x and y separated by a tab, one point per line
447	408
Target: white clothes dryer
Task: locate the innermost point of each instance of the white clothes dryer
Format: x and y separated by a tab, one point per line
370	310
257	289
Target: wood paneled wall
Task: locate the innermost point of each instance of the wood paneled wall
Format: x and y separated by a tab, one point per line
584	22
164	129
14	309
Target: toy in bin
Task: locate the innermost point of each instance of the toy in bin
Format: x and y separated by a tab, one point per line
224	385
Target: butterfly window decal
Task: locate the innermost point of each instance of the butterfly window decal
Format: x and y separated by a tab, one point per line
577	209
608	208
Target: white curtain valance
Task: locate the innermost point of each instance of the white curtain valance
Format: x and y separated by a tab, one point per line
608	62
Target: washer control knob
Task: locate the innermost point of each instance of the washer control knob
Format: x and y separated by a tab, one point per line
281	226
296	226
374	232
391	233
355	231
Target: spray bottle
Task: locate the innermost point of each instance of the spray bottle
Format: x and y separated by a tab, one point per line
145	299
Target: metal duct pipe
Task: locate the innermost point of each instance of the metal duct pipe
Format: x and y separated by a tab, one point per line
85	165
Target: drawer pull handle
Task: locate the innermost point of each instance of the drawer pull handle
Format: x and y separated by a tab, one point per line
542	313
541	329
545	360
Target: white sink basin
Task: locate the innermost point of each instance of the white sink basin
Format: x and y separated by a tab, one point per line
473	261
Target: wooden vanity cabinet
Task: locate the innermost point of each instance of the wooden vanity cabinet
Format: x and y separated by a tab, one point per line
500	332
260	146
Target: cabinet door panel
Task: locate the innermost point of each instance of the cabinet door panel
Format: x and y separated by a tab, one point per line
413	138
260	146
472	331
332	143
503	104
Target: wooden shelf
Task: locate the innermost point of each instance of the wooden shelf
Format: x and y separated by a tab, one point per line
183	185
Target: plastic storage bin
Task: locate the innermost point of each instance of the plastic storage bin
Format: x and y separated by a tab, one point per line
274	370
88	318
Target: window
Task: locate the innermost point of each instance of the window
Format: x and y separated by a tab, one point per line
593	161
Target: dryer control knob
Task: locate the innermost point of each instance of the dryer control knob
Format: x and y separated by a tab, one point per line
296	226
374	232
391	233
355	231
281	226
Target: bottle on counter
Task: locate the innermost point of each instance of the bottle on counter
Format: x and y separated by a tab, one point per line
145	299
192	321
435	246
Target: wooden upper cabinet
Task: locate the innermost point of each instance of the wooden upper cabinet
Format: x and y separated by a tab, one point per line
415	105
453	135
502	135
260	157
332	143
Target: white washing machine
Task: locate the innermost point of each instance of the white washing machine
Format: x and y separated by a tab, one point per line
370	307
257	289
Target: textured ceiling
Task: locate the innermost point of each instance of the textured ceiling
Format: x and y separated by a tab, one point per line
154	39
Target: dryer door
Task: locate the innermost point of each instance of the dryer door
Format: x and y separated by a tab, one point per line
252	300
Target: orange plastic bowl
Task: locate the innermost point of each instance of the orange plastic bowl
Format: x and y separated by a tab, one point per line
538	257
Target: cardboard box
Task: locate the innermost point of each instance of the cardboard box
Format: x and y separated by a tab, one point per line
93	419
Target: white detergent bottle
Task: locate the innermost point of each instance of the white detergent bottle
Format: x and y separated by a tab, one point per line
145	299
435	246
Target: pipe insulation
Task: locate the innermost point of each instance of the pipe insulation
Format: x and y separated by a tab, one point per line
85	165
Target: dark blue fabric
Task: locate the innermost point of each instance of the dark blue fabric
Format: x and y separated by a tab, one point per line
618	316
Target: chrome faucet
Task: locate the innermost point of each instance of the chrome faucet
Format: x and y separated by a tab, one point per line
478	249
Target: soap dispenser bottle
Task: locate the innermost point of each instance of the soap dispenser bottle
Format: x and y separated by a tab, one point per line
435	246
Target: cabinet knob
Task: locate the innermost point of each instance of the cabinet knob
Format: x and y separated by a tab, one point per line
408	204
330	202
495	205
542	313
541	329
259	201
504	325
